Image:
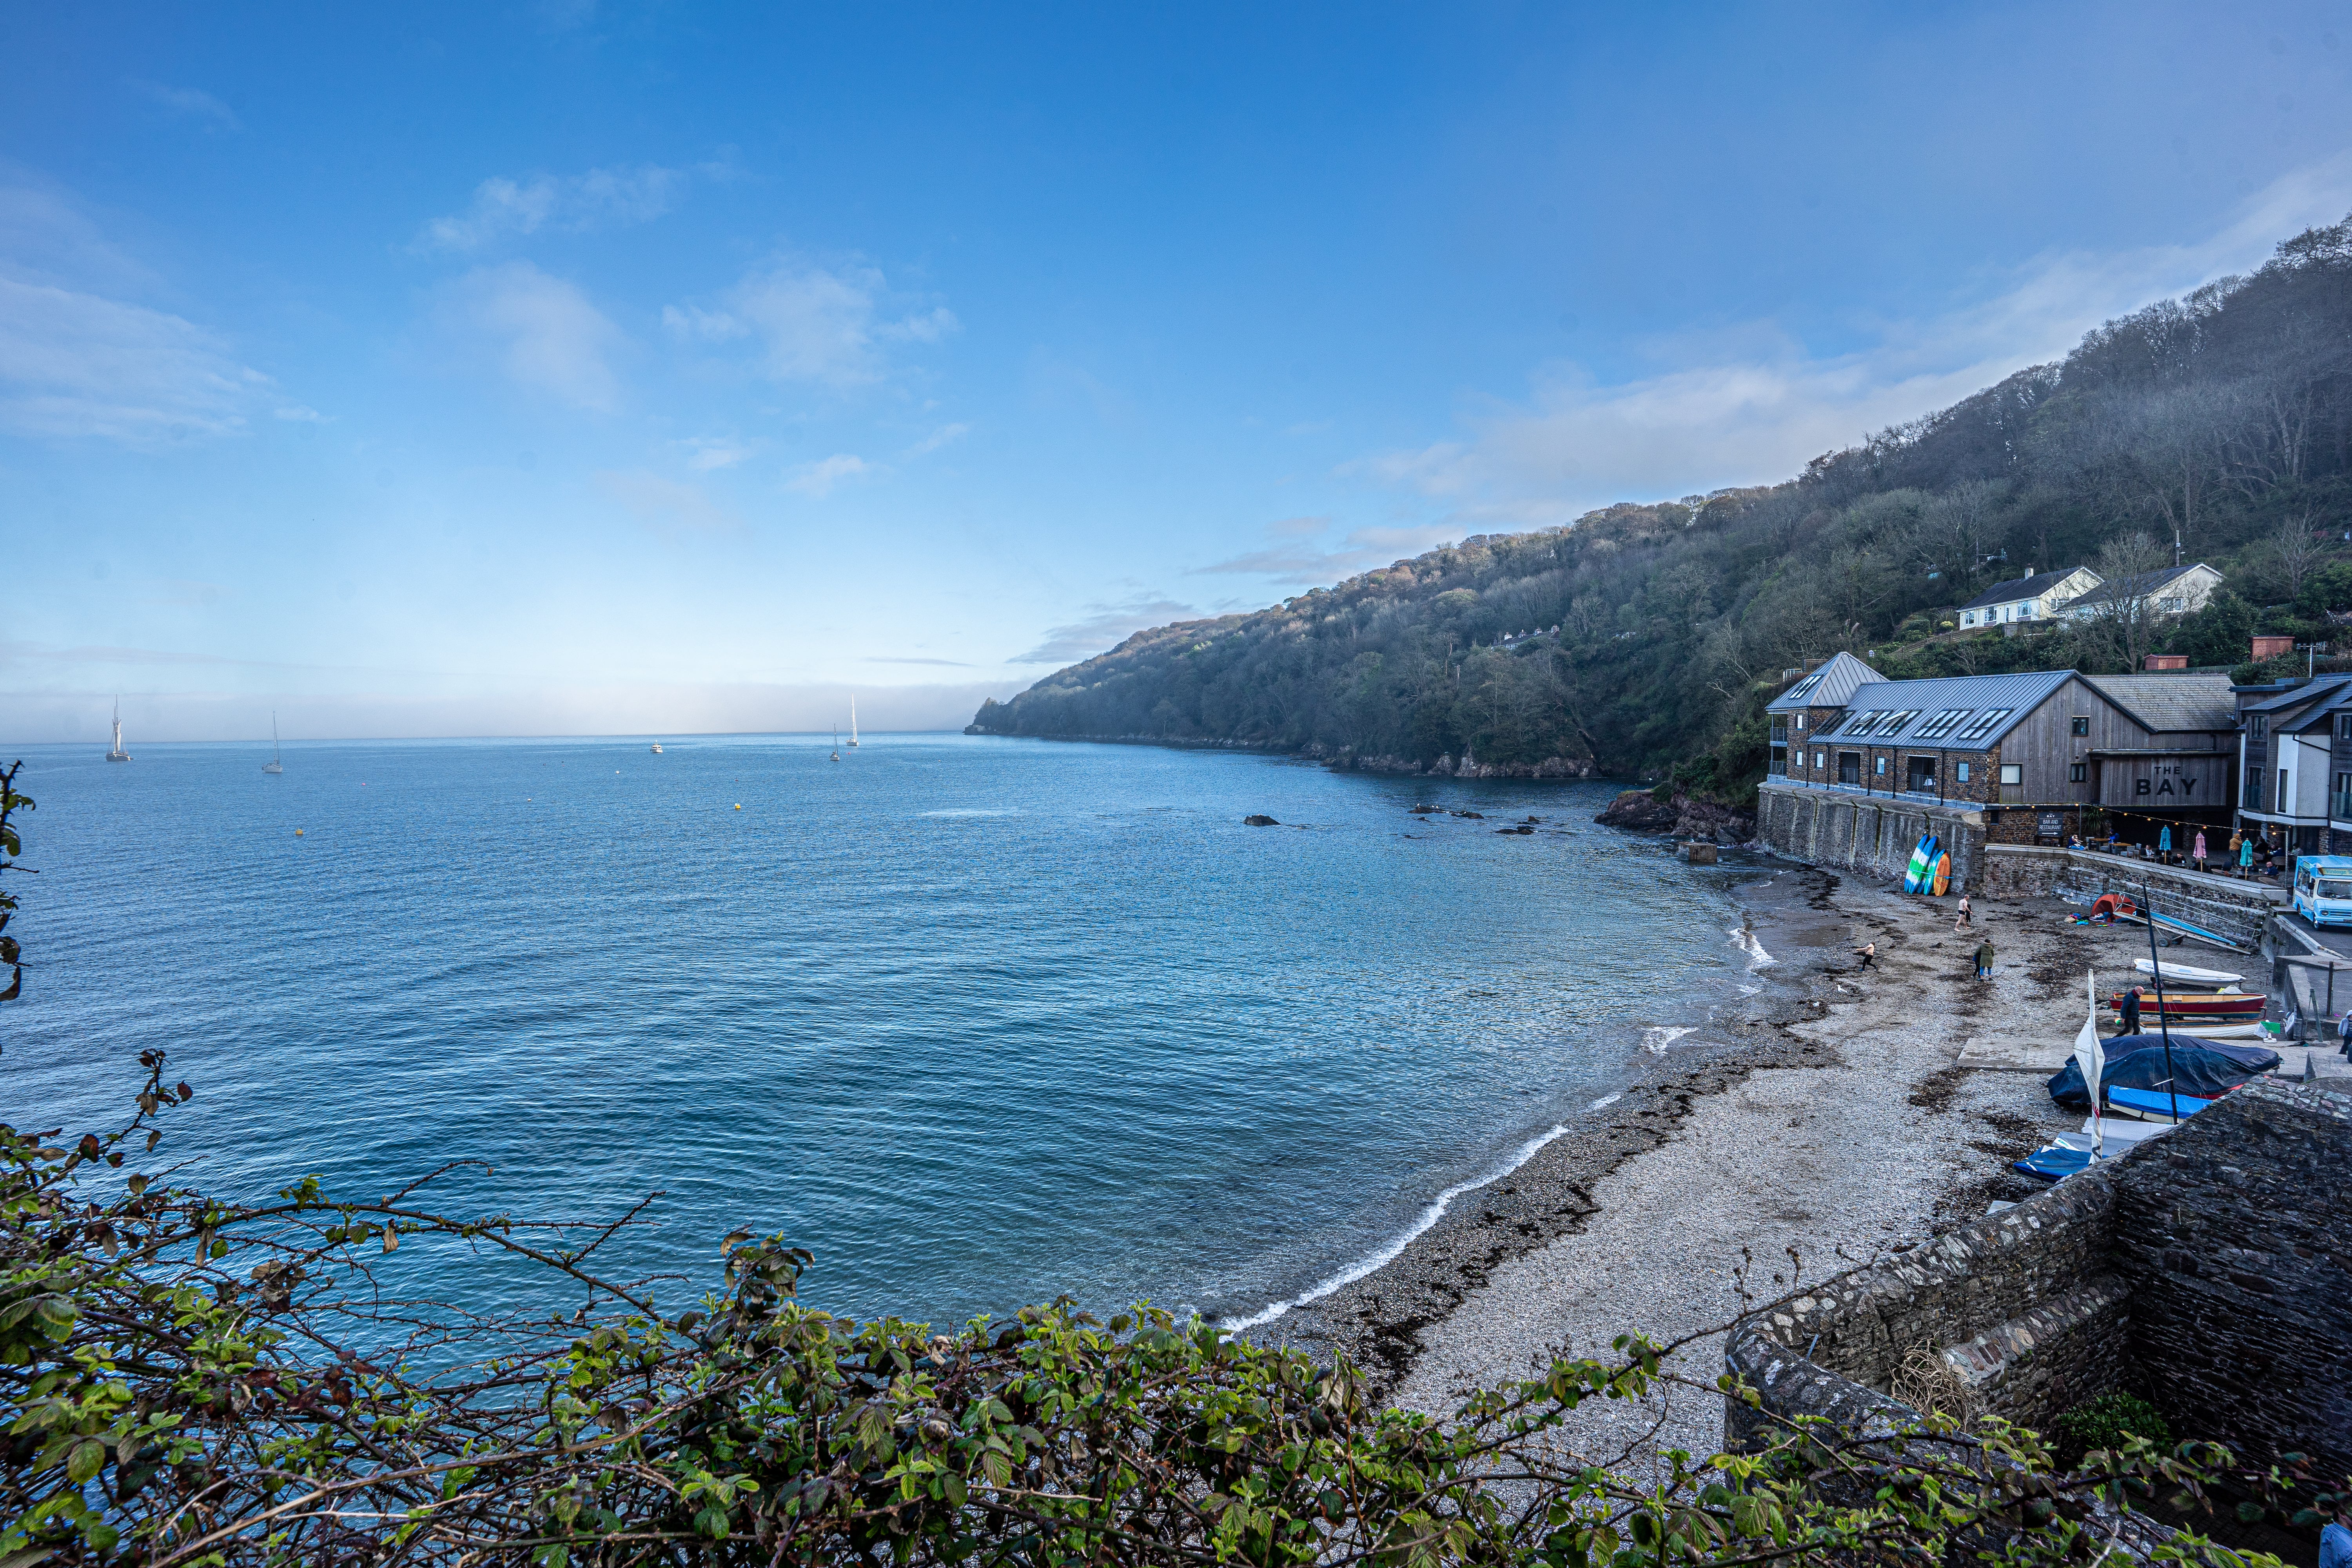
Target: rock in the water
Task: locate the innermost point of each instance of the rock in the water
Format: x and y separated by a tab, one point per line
1642	812
1480	816
1639	810
1259	822
1522	828
1422	810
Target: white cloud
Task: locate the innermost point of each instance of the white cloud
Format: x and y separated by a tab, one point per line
1104	628
546	333
297	414
668	505
939	439
599	198
706	454
1755	409
818	479
187	100
79	364
811	323
1296	558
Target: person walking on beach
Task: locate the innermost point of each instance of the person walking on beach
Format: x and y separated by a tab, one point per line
1866	952
2196	849
1984	959
2131	1012
2245	857
1965	921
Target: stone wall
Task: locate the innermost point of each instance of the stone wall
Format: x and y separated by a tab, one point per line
2235	1235
2208	1270
2236	909
1874	834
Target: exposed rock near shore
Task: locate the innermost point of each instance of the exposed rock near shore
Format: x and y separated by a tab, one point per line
1641	811
1467	768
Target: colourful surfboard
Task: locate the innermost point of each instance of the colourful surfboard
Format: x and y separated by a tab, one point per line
1943	874
1922	856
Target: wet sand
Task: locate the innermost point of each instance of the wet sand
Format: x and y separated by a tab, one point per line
1835	1120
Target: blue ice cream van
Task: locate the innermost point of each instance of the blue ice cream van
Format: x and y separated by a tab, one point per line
2323	889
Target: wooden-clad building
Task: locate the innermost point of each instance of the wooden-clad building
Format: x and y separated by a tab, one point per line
2033	752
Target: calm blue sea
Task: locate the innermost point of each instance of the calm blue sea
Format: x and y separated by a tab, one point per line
976	1020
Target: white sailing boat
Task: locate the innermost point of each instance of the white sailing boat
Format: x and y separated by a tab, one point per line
837	744
273	765
853	724
118	755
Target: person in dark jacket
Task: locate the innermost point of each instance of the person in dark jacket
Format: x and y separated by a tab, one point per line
2131	1012
1984	959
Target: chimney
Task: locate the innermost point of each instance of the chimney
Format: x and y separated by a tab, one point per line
2273	647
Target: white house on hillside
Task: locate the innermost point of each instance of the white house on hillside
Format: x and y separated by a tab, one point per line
2036	597
2175	591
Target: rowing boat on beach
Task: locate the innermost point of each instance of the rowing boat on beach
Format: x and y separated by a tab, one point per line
2219	1006
2187	974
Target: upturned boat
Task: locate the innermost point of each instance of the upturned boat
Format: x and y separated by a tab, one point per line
2189	974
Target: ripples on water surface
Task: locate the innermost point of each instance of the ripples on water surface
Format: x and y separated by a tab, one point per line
976	1020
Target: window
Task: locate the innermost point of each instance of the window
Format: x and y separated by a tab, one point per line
1982	724
2013	772
1881	769
2081	723
1942	723
1800	720
2253	789
2025	612
1919	775
1960	772
1817	762
2261	725
1968	617
1805	685
2344	726
1849	767
2283	791
2076	772
1892	724
1863	724
2167	604
2331	889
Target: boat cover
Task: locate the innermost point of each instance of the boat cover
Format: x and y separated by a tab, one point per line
2053	1163
2206	1067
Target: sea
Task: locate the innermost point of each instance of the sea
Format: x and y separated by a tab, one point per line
976	1021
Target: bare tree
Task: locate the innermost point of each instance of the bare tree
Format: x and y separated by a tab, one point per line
2297	550
2119	618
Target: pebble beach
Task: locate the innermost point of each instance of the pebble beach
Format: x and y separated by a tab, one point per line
1836	1123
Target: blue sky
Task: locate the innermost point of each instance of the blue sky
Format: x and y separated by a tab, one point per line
593	367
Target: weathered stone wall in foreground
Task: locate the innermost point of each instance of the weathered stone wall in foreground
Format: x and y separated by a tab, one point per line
2208	1270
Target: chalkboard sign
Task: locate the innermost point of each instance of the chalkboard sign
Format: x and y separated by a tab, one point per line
2050	829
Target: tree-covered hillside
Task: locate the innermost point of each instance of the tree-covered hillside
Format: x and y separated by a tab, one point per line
2222	420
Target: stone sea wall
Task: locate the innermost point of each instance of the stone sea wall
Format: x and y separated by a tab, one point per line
1873	835
2208	1270
2236	909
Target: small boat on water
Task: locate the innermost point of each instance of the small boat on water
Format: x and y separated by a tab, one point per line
118	755
273	765
2188	974
657	751
853	725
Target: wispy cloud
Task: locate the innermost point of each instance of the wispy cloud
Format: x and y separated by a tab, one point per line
297	414
75	364
1753	405
812	324
601	198
187	100
939	439
666	505
706	454
943	663
818	480
545	334
1106	627
1299	557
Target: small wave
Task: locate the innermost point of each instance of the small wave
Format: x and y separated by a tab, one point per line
971	811
1745	940
1749	990
1394	1249
1605	1101
1656	1041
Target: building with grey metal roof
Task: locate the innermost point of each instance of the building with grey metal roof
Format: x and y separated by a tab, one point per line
1827	684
